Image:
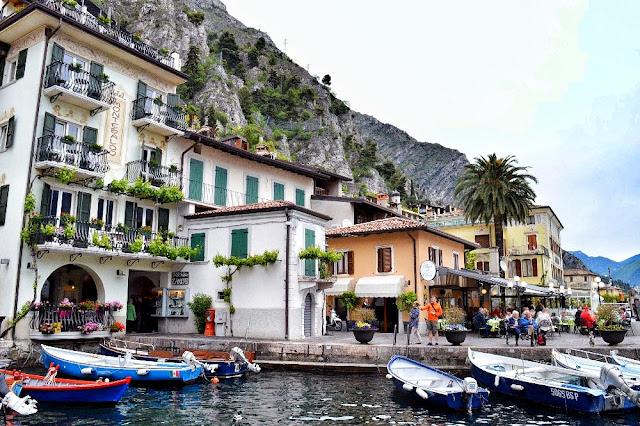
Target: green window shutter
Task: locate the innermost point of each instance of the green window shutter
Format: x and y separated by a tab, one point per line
4	198
163	220
10	131
140	100
309	241
195	179
83	209
45	200
130	214
95	83
278	191
197	241
173	100
89	135
251	195
240	243
55	69
158	153
57	53
300	197
22	64
220	195
49	124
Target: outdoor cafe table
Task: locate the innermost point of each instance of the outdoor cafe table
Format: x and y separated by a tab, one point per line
566	324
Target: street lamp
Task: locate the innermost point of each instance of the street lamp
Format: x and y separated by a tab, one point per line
598	285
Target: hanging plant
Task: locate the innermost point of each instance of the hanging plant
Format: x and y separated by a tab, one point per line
325	257
65	175
136	246
98	183
119	186
29	203
170	194
142	189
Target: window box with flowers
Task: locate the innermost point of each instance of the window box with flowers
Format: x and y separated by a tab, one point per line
89	327
65	305
88	305
40	306
146	231
116	327
47	328
97	223
114	306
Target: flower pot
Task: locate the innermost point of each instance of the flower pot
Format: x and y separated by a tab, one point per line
364	336
455	337
613	337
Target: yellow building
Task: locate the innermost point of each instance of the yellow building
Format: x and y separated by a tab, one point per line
533	249
382	260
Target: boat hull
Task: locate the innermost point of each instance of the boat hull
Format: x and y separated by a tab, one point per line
453	401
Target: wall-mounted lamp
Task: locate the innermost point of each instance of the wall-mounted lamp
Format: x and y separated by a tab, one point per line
484	291
120	273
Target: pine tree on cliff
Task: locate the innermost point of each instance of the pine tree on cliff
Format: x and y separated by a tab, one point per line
495	189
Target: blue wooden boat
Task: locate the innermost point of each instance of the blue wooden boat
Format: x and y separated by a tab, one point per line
431	386
51	389
220	364
549	385
85	365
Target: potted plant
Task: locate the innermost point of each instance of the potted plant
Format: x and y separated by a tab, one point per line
69	4
97	223
173	168
94	147
364	329
146	231
153	164
137	37
610	327
65	305
158	101
103	20
47	328
349	300
75	67
114	306
103	77
87	305
68	139
404	302
116	327
453	325
66	218
47	231
89	327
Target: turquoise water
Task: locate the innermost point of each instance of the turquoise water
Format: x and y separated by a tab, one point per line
299	398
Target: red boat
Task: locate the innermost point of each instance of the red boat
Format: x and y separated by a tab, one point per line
49	388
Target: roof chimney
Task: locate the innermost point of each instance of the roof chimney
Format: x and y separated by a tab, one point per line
383	199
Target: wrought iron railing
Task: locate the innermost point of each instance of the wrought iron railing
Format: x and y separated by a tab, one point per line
87	234
110	29
160	112
155	174
523	250
70	318
80	81
214	195
72	153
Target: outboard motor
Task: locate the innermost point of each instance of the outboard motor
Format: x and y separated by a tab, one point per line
611	377
253	367
470	385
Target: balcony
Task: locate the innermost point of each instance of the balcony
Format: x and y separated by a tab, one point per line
525	251
211	195
80	15
57	152
78	87
104	240
158	117
154	174
70	320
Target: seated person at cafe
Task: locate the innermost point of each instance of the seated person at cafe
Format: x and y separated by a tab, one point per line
513	326
624	318
480	322
530	325
586	319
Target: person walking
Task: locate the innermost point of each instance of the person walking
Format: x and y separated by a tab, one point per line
414	321
131	316
434	311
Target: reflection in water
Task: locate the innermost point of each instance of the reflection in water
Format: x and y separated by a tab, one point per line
299	398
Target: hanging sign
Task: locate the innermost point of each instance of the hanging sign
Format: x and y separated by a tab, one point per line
180	278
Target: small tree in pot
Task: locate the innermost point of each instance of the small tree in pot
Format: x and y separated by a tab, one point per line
610	325
349	300
404	302
364	328
453	325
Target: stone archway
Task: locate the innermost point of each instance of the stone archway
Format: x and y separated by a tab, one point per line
74	282
308	315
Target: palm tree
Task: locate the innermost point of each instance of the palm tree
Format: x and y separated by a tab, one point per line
495	189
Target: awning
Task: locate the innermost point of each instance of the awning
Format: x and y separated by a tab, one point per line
380	286
340	286
491	279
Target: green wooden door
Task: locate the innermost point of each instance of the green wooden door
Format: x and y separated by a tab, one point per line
220	194
309	241
252	190
195	179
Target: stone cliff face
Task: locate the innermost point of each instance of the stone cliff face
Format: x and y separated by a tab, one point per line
316	129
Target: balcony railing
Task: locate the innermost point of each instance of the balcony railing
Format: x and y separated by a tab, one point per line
86	234
70	318
213	195
156	175
523	251
80	15
59	151
159	112
80	82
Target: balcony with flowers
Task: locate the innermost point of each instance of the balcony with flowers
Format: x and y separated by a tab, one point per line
68	159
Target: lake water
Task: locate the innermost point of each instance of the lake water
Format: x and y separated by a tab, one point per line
300	398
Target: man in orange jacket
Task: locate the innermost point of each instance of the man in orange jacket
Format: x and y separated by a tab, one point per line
434	311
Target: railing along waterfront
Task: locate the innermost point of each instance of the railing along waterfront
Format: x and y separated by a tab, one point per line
160	112
82	82
79	14
69	152
215	195
70	318
155	174
88	235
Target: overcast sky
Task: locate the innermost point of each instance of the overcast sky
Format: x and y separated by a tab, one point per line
556	84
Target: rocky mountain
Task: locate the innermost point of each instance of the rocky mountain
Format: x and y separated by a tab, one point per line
242	83
628	270
569	261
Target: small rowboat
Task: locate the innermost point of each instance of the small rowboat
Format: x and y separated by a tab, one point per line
227	364
580	360
432	386
51	389
85	365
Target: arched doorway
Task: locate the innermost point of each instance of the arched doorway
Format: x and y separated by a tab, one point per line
142	289
71	282
307	315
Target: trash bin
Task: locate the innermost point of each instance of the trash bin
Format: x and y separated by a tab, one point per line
220	323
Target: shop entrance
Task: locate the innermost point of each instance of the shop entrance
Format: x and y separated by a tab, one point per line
141	290
70	282
386	312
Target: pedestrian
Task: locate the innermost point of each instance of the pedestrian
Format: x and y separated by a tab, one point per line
138	305
131	316
434	311
414	321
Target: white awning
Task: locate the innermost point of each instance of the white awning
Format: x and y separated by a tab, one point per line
380	286
340	286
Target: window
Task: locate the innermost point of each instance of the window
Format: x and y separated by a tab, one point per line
55	202
309	264
195	179
531	220
105	210
456	261
4	198
483	240
482	266
6	133
278	191
240	243
385	261
10	68
13	69
197	241
220	182
144	217
532	242
530	267
515	268
300	196
344	266
68	73
435	255
83	207
251	195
